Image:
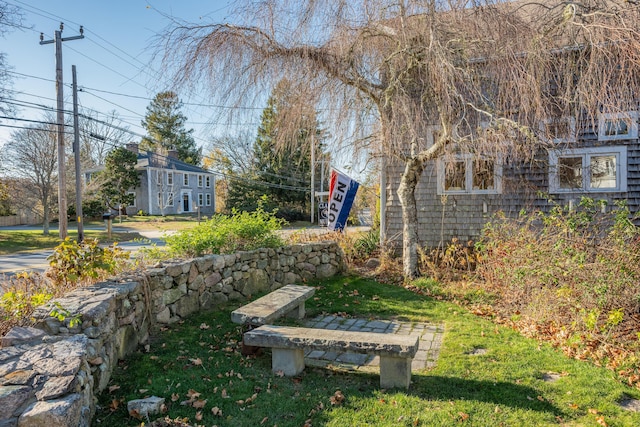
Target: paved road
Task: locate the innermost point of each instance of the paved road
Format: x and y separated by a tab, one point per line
36	261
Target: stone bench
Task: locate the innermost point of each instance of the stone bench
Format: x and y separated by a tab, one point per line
287	300
288	344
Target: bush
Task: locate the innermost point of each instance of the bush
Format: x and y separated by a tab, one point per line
567	276
73	262
227	234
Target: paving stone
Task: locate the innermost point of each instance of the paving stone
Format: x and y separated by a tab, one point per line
354	358
315	354
330	355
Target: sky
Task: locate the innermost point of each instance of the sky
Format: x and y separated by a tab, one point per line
112	61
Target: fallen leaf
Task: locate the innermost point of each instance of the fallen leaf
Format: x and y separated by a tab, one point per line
217	412
175	397
593	411
113	406
264	420
199	404
135	414
114	388
463	416
143	390
196	362
600	420
204	326
280	373
199	416
337	398
224	394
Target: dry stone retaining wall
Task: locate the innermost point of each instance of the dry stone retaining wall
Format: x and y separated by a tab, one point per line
50	374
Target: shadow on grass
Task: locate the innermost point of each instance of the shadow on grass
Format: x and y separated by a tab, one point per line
498	393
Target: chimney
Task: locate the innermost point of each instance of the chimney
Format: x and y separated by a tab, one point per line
133	147
172	154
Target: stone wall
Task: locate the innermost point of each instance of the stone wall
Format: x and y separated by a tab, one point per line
50	374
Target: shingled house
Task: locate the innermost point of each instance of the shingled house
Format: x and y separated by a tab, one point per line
598	159
169	186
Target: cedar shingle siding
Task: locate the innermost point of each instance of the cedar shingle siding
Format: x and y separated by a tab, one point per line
525	186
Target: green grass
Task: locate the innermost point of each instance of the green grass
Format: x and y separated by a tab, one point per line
503	386
12	241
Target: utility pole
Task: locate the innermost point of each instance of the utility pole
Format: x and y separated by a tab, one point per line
62	181
76	156
313	175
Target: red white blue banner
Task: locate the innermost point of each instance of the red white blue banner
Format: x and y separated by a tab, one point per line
342	192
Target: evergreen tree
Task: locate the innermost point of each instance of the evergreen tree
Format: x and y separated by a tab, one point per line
165	125
119	178
281	158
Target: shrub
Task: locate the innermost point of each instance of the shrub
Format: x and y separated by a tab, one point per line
73	262
570	276
227	234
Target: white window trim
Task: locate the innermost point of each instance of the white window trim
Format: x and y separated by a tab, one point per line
633	128
207	181
170	199
200	181
135	200
170	175
468	159
200	199
159	178
208	199
619	151
185	179
572	137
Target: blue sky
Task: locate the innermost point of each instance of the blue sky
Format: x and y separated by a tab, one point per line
112	60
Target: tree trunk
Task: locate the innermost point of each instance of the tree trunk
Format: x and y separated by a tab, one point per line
406	193
45	215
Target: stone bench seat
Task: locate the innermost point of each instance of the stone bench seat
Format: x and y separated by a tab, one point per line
287	300
288	344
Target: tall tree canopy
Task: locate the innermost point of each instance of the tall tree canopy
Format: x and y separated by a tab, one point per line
165	125
486	72
281	166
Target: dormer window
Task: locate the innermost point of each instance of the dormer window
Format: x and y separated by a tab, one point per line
614	126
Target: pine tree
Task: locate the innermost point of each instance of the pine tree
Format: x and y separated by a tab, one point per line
282	158
119	178
165	125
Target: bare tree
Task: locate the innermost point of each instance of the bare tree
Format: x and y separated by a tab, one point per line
31	156
99	136
10	18
485	72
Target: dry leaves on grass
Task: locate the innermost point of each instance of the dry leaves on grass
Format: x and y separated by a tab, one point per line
337	398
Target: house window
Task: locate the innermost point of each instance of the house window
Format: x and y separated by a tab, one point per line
170	199
200	180
559	129
160	201
185	179
468	174
208	199
200	199
158	177
207	181
598	169
614	126
133	203
169	178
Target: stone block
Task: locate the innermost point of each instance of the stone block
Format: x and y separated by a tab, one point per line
61	412
19	335
145	407
289	362
395	372
12	398
187	305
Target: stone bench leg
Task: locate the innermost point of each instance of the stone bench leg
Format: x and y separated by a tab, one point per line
289	361
298	312
395	372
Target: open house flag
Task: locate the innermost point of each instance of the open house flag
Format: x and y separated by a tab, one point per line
342	192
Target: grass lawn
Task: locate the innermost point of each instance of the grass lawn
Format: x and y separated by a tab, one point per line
197	367
12	241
